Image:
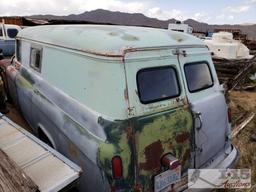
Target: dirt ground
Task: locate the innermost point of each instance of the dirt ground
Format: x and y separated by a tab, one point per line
15	115
239	102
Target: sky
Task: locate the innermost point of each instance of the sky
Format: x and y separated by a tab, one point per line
212	12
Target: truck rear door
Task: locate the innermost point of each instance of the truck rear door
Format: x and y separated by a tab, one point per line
207	102
160	116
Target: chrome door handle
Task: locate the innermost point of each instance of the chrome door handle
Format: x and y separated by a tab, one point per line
198	115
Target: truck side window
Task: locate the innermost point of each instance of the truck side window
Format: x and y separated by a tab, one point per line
157	84
12	33
35	58
198	76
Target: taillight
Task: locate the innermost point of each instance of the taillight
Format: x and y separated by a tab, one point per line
117	167
170	161
229	115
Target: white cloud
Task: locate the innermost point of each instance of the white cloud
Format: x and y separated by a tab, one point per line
65	7
237	9
201	16
156	12
231	17
148	8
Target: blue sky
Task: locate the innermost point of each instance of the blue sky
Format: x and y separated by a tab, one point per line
213	12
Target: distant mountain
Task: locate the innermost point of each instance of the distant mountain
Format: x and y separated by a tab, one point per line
109	17
138	19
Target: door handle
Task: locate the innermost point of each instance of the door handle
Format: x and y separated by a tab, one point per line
198	115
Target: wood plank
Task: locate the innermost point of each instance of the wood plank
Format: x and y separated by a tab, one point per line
12	178
242	125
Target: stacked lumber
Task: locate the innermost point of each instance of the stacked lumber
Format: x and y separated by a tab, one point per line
12	178
233	72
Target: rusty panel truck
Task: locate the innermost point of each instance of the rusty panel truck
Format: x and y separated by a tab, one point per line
127	104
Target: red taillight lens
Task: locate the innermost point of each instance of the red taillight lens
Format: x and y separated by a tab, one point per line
170	161
229	115
116	167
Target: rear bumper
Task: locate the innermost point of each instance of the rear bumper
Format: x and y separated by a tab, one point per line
231	160
228	162
223	161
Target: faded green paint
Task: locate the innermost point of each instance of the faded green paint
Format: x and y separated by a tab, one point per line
166	132
25	80
25	74
106	152
92	78
129	38
82	130
37	92
145	143
118	143
24	83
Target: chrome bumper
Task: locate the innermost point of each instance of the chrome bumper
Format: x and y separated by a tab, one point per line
229	162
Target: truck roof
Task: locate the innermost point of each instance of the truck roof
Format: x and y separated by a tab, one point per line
107	40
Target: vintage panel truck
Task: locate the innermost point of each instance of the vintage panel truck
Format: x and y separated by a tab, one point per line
134	107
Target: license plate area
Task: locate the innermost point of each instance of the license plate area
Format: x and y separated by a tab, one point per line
166	178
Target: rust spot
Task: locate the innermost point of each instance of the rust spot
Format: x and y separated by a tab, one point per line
153	153
170	146
181	138
73	151
138	188
113	34
126	97
129	132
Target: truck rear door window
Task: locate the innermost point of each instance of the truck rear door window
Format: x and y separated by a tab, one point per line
198	76
157	84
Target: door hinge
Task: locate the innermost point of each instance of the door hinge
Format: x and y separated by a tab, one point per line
179	52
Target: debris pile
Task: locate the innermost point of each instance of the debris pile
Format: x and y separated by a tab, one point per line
243	107
235	73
